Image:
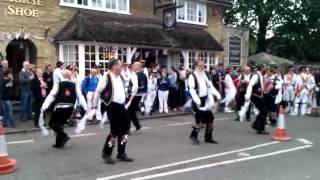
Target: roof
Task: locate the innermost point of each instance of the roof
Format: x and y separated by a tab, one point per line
222	2
268	59
123	29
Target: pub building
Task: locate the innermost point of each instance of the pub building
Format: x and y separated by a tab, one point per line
91	32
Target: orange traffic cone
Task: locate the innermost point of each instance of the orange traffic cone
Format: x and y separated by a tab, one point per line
7	165
280	134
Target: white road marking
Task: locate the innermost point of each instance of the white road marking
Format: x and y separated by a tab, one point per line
178	124
83	135
146	127
179	171
187	161
305	141
188	123
21	142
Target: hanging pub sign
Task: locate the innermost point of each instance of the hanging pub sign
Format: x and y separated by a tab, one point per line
169	8
169	19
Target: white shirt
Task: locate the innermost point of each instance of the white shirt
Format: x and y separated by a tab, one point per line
290	79
204	85
53	93
135	84
152	83
252	82
57	76
246	77
119	94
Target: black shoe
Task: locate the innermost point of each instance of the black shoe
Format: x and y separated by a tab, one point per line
138	128
64	141
57	146
211	141
124	158
263	133
108	159
254	127
237	119
194	140
248	119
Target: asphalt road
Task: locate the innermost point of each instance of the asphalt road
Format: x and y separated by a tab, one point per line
162	150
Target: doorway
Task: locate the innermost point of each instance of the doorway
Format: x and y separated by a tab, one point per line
19	50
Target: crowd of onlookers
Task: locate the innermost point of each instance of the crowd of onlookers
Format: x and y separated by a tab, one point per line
167	87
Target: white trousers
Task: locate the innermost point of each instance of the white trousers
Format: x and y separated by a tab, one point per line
90	104
289	94
302	100
163	101
151	96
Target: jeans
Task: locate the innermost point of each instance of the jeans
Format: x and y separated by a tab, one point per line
7	113
26	105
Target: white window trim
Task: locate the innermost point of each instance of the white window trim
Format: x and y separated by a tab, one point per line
193	22
90	7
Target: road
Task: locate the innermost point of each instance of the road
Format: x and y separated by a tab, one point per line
162	150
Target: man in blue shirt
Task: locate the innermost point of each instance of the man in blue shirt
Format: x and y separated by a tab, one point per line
89	85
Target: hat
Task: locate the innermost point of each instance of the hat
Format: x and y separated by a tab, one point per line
59	63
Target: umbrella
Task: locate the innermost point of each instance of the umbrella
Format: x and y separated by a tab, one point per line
268	59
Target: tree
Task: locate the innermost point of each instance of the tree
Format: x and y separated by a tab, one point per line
261	16
299	37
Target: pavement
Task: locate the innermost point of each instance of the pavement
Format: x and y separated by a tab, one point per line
162	150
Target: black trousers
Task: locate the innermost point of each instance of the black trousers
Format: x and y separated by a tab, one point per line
202	118
58	119
259	123
119	128
132	111
173	98
36	108
240	100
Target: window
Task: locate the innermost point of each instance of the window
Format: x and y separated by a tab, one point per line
106	53
70	54
117	6
192	12
89	58
97	3
192	58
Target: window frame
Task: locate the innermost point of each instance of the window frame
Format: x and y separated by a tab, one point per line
102	8
199	5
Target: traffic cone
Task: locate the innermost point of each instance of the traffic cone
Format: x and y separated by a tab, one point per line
7	165
280	134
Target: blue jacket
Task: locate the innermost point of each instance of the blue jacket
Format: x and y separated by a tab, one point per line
165	85
89	84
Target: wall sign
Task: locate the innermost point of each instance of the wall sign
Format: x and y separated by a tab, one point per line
234	51
23	7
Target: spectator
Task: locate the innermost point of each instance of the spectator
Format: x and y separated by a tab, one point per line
7	95
215	77
39	91
182	76
48	77
163	91
25	78
89	85
173	76
57	74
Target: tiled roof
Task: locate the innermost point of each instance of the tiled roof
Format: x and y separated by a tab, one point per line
123	29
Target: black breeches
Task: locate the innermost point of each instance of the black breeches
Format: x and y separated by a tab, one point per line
58	119
132	111
119	128
259	123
